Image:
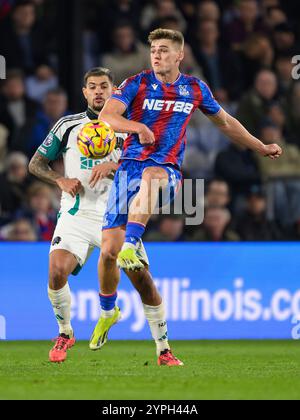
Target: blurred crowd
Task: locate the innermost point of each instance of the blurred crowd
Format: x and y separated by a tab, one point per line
243	49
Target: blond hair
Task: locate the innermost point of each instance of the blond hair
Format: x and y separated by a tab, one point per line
175	36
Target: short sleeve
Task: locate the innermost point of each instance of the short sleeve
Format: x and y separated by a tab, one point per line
127	91
53	146
209	105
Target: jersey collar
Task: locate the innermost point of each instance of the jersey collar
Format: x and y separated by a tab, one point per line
91	114
167	84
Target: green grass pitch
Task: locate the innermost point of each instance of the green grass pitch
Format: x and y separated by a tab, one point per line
128	370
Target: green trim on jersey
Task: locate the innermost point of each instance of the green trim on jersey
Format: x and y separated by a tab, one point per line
52	147
74	210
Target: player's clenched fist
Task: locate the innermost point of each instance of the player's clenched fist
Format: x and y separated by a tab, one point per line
69	185
273	151
146	136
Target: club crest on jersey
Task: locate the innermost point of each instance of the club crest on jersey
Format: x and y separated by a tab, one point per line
49	140
183	90
56	241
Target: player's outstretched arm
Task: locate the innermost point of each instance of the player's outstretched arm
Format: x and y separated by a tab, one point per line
39	167
112	113
232	128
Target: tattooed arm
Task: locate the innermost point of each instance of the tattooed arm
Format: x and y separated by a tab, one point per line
39	166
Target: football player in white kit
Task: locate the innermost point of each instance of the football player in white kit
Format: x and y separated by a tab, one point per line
85	188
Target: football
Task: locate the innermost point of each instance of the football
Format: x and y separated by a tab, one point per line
96	140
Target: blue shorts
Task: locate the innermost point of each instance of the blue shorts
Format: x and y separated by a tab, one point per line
126	185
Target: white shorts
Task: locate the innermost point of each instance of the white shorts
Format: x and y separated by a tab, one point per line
80	235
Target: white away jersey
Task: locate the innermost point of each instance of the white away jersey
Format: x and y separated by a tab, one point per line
62	140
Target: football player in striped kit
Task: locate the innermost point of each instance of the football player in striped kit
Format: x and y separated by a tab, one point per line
155	107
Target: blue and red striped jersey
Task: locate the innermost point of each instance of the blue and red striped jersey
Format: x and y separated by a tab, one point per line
166	109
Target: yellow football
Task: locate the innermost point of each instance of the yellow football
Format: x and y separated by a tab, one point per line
96	139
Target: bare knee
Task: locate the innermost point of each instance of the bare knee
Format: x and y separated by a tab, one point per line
109	253
58	274
112	241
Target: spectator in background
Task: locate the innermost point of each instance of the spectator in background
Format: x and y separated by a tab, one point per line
214	62
204	143
277	115
252	224
129	56
13	185
169	22
284	39
17	111
188	9
255	103
239	168
284	68
197	12
22	230
124	10
158	10
266	4
283	179
40	210
289	165
189	64
208	10
217	194
216	227
54	107
3	145
114	11
244	24
43	80
257	53
170	229
274	16
287	88
93	43
21	39
293	111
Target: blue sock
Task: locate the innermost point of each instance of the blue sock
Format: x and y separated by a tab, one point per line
108	302
134	232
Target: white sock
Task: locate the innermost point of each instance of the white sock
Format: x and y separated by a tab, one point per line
128	245
61	303
155	315
107	314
